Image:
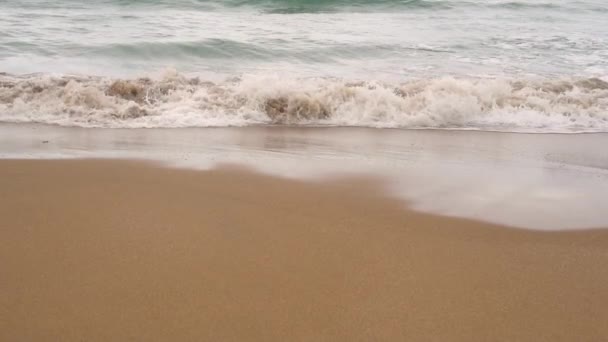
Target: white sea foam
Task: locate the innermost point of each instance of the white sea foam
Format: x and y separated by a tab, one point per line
175	100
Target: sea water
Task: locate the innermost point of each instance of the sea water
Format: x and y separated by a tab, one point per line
523	65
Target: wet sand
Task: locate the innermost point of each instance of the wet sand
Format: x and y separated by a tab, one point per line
537	181
117	250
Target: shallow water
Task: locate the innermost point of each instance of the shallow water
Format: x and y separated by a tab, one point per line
538	181
360	39
527	65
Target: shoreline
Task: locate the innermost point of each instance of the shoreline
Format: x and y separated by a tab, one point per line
108	249
303	126
535	181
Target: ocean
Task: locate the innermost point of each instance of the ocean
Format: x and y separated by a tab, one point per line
498	65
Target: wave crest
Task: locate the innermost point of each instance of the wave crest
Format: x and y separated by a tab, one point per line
179	101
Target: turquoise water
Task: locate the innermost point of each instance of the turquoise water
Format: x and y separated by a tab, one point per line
528	65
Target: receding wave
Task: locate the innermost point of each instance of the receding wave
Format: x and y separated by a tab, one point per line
175	100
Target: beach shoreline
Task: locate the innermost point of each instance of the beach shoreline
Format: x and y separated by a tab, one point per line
110	249
534	181
304	170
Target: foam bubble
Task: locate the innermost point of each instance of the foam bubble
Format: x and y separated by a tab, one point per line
175	100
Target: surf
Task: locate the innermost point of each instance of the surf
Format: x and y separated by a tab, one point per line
177	100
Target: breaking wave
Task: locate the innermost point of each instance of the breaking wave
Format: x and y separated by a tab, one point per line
175	100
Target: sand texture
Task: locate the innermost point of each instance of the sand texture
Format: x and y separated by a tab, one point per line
126	251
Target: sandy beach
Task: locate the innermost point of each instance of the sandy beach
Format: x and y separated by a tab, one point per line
304	170
119	250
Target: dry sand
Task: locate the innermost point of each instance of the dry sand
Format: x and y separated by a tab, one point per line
116	250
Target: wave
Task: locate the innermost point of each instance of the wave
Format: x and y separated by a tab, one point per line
209	48
224	49
315	6
292	6
175	100
319	6
312	6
